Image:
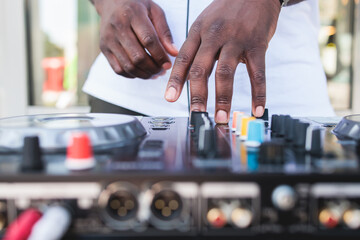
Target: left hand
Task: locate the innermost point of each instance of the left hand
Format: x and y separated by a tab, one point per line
230	31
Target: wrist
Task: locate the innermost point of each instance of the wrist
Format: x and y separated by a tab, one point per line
98	4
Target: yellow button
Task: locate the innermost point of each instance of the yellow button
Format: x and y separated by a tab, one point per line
244	126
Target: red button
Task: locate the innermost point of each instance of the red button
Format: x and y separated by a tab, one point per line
79	153
79	147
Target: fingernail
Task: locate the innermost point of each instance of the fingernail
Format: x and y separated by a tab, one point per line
166	66
170	94
221	116
259	111
174	47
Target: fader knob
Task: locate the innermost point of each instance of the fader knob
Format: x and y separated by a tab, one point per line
284	197
300	134
32	157
197	120
207	141
196	117
256	133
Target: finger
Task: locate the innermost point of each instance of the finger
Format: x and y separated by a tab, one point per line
224	80
199	74
162	28
255	63
149	39
181	66
115	65
136	53
125	63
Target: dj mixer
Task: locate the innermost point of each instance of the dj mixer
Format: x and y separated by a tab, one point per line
105	176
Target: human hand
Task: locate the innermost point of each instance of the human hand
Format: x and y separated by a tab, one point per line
135	37
230	31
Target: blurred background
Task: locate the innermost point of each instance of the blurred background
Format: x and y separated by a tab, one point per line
46	57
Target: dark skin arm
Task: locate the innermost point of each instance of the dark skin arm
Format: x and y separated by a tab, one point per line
135	37
230	32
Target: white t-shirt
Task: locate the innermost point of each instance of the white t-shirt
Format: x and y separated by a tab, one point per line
296	83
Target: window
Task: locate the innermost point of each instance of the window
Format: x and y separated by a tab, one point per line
63	42
336	48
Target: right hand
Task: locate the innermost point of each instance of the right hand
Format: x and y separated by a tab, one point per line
135	37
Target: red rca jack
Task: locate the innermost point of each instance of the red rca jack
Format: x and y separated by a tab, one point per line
216	218
330	217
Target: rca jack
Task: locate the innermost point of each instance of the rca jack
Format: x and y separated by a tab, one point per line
329	217
351	218
216	218
241	217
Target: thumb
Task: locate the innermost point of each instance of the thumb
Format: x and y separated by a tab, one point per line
162	28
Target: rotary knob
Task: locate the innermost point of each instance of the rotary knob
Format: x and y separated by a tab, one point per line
284	197
290	124
300	135
32	156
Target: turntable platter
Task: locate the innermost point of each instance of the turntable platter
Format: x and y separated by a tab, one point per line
349	128
55	130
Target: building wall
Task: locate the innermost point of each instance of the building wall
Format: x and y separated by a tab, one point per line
13	73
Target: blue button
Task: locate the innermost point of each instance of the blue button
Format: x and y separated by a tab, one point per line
256	133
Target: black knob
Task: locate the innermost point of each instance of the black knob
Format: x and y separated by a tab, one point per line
32	157
300	135
272	152
290	128
281	127
274	123
316	143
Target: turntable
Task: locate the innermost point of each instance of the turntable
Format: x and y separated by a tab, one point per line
349	128
54	131
182	178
